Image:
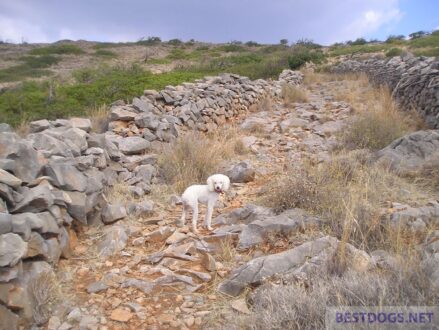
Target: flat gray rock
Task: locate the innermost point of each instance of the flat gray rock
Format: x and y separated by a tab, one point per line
133	145
114	240
412	152
12	249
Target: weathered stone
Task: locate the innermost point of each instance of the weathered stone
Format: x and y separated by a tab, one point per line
411	152
81	123
285	224
26	162
10	273
133	145
77	205
5	128
5	223
9	179
114	240
147	120
160	234
9	320
39	125
119	113
66	177
112	213
301	259
12	249
35	199
241	173
97	287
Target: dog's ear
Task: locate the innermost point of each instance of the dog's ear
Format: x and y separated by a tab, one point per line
210	184
226	183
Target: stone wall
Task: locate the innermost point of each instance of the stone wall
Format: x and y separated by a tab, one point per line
55	179
414	81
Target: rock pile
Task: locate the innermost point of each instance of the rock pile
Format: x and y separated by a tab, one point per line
414	81
203	105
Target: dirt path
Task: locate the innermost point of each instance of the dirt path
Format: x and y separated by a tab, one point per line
166	277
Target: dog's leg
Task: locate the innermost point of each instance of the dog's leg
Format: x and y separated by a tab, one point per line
194	217
208	219
183	217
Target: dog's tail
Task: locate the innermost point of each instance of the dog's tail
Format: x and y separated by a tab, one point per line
175	200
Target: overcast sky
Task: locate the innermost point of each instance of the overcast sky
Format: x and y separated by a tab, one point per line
265	21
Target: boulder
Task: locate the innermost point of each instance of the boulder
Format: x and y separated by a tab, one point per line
35	199
286	223
49	145
119	113
12	249
39	125
81	123
411	152
241	173
133	145
5	128
114	240
112	213
304	258
147	120
77	205
26	163
66	177
142	104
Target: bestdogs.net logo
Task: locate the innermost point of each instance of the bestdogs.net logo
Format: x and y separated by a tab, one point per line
384	317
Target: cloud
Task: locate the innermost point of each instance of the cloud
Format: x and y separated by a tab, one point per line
18	30
370	21
324	21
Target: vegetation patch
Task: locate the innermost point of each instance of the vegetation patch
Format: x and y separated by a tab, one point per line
32	67
62	49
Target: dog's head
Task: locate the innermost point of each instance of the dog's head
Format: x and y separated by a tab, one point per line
218	183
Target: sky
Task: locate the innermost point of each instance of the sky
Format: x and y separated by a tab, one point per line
264	21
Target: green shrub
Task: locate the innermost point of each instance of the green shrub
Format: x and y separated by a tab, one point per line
392	52
32	66
358	41
429	41
395	38
231	48
93	88
301	55
57	49
175	42
104	53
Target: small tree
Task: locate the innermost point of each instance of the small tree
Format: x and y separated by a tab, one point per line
175	42
284	42
418	34
394	38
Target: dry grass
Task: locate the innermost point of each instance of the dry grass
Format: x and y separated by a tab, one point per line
45	293
119	193
378	119
293	94
194	157
23	128
99	117
303	306
350	193
264	105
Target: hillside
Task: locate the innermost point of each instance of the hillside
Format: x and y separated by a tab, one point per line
71	78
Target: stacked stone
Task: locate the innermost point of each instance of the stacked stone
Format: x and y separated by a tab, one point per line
414	81
203	105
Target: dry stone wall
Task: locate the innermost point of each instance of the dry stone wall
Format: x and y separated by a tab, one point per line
414	81
55	179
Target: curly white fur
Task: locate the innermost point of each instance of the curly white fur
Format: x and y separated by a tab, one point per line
204	194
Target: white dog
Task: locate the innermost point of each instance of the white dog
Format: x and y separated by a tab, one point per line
204	194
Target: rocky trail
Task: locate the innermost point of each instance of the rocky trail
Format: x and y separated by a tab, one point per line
87	222
167	277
